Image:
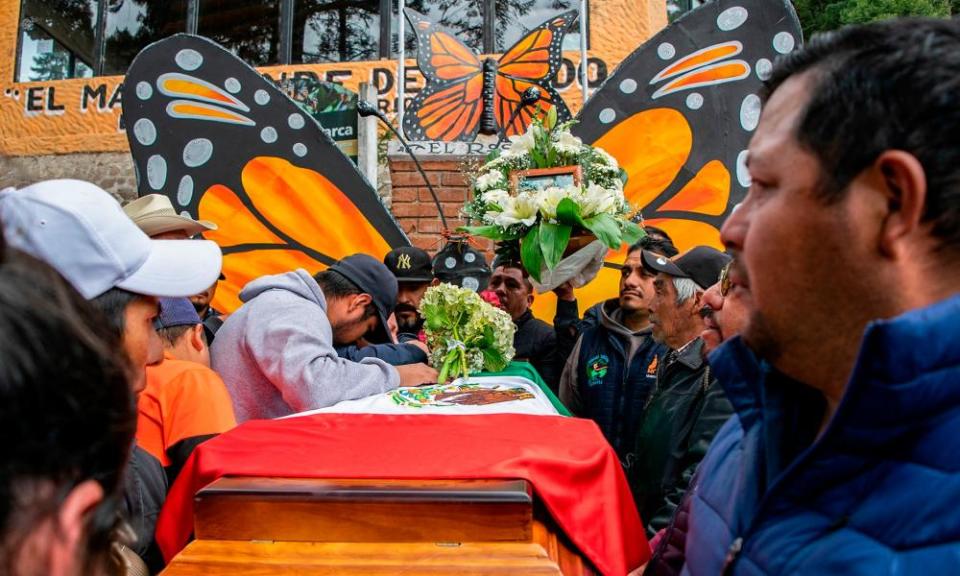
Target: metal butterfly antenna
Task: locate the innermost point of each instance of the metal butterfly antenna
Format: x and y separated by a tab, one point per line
529	97
366	109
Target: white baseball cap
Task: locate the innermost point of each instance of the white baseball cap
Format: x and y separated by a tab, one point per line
82	232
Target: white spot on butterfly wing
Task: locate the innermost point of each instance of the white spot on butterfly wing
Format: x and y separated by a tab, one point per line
296	121
261	97
188	59
695	101
784	42
666	51
232	85
628	86
197	152
607	115
732	18
470	283
269	134
144	90
743	173
299	149
156	171
185	191
450	262
764	68
750	112
145	131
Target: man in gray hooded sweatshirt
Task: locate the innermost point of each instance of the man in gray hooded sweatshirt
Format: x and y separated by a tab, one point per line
277	355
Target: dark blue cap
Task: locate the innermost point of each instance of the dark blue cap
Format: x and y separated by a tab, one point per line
176	312
373	278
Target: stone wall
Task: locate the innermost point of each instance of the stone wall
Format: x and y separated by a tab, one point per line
112	171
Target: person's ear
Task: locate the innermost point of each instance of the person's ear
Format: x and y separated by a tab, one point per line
904	183
697	303
197	340
435	282
71	521
359	302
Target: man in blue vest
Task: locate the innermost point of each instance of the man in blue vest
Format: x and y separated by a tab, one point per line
844	453
613	367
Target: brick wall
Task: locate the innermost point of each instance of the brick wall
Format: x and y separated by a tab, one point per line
414	208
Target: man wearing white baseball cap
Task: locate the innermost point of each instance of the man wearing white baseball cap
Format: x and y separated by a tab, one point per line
82	232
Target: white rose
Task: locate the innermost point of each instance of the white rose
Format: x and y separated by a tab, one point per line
522	144
520	209
567	143
489	179
497	196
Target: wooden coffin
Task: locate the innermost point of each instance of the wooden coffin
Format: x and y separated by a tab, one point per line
261	526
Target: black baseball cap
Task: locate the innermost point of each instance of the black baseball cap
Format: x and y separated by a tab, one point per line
373	278
409	264
702	264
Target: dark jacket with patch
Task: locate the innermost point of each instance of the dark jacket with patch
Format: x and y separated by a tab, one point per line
684	413
609	377
536	342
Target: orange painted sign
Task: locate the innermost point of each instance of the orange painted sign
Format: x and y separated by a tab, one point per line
84	115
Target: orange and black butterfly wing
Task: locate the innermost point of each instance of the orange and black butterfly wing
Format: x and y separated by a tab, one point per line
225	145
678	114
451	103
534	60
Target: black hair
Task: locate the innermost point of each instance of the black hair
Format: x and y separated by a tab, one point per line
336	285
516	264
657	232
67	412
113	305
892	85
651	243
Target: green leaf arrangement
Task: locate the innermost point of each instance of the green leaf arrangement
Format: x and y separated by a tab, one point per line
465	334
542	221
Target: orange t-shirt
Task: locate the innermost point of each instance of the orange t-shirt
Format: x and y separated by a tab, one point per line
182	400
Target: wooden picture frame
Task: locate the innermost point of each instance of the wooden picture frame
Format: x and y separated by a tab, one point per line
540	178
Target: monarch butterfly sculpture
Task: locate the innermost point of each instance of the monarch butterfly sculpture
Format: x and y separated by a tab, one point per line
464	95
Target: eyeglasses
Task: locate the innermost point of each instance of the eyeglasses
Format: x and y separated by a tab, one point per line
725	280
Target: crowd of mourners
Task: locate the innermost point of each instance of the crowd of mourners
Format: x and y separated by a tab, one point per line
788	405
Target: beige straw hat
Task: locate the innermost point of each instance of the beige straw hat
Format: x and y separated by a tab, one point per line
154	214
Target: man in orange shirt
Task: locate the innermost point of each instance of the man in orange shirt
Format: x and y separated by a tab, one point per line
185	402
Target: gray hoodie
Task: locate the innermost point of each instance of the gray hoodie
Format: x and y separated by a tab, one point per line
276	355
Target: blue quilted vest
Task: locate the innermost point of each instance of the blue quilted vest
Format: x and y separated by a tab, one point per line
876	494
613	390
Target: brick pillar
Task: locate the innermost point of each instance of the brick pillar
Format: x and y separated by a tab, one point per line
413	206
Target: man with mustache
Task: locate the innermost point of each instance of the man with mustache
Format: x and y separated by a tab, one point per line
686	407
611	371
724	314
414	272
842	457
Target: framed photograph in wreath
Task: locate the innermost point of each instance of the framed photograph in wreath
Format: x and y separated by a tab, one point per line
540	178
